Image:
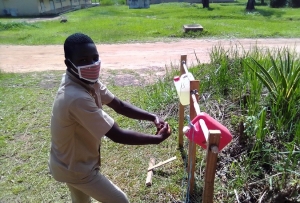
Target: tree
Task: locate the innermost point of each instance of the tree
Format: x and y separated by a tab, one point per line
205	3
250	5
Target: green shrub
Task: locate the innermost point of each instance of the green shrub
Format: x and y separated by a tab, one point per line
278	3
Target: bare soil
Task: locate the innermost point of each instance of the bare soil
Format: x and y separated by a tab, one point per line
136	56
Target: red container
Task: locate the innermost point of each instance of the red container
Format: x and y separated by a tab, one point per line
211	124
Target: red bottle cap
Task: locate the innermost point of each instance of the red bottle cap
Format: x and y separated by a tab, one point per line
176	78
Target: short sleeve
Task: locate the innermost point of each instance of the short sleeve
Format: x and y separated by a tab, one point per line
105	94
85	111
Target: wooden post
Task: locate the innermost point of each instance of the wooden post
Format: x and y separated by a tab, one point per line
181	108
194	85
211	165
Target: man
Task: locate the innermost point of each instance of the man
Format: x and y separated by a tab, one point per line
78	123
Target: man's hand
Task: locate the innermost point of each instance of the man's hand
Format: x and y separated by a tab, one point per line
165	131
159	123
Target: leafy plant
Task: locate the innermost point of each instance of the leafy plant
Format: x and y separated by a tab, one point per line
281	79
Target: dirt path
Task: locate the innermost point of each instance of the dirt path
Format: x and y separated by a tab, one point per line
128	56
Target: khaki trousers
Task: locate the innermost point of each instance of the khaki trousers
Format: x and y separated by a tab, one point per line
100	188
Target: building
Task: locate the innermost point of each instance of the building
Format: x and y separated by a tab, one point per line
42	7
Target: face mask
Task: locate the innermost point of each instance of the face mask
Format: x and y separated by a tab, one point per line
89	72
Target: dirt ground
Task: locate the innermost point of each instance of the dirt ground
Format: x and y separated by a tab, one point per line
137	56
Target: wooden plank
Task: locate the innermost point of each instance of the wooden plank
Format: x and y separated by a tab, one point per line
211	165
194	85
181	108
161	163
150	173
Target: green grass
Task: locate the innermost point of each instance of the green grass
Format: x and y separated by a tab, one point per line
118	23
25	110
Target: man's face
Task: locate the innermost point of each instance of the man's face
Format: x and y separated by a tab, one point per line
84	54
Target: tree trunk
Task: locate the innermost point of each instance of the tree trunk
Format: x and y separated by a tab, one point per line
205	3
250	5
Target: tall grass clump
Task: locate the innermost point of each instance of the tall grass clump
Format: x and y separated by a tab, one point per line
226	70
257	94
280	75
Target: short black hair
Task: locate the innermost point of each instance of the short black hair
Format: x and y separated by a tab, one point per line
73	40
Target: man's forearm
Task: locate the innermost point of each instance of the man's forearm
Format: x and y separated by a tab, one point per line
134	112
135	138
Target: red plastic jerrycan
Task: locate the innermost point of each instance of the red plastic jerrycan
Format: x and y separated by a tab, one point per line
212	124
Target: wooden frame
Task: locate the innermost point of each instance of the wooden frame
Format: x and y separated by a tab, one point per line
212	139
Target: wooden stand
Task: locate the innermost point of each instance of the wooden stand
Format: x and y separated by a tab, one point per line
212	139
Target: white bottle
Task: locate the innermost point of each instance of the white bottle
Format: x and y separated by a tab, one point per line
182	85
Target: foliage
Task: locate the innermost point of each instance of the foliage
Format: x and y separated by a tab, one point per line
282	81
282	78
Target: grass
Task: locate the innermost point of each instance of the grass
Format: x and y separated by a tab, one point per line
25	140
119	24
259	163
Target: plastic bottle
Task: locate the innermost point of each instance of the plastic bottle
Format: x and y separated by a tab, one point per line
197	133
182	85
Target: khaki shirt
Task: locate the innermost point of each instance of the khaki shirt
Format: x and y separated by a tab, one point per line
77	125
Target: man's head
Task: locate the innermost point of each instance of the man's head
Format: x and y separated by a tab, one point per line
81	56
73	41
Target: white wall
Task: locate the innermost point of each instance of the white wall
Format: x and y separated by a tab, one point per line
20	7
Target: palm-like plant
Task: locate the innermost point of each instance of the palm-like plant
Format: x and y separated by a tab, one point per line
282	79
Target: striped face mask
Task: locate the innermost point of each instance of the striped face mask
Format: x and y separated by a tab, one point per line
89	72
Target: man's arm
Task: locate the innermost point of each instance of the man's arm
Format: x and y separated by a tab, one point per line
130	137
131	111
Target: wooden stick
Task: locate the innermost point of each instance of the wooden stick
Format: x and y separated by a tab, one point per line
161	163
195	103
211	165
204	129
181	108
150	173
194	85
